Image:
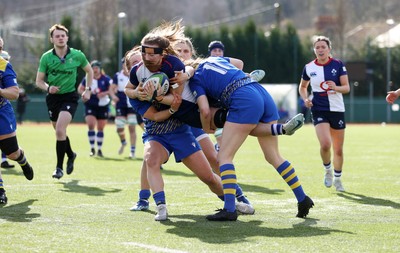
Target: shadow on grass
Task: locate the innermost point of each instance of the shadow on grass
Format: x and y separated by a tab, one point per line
18	212
260	189
184	172
195	226
365	200
105	158
12	171
74	187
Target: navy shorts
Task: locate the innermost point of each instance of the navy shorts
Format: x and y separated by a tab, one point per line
335	119
100	112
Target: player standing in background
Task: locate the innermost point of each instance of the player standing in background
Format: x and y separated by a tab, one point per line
124	111
329	80
8	125
59	66
96	108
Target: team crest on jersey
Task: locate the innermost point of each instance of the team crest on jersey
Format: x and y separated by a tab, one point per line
334	72
341	123
313	74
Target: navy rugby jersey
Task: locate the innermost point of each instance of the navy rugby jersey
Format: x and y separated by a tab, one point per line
139	73
317	74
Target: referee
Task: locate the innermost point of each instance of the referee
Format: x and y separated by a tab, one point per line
59	67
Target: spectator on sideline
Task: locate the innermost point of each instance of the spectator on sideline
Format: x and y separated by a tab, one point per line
329	81
60	67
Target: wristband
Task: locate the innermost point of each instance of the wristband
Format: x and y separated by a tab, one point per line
88	88
171	111
175	86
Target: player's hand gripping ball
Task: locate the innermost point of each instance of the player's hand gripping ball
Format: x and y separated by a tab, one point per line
160	82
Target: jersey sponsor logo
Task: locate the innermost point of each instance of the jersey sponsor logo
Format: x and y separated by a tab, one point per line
55	72
313	74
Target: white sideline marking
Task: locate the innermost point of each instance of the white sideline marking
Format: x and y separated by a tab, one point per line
155	248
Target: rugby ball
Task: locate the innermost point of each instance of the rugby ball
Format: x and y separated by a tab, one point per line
160	82
257	75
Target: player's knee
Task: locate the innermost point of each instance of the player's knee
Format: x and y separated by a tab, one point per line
120	123
132	119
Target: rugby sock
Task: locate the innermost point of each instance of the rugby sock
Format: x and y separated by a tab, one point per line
288	174
1	185
123	142
337	173
144	194
240	196
69	151
3	157
229	182
327	166
92	138
99	139
133	149
61	147
159	198
276	129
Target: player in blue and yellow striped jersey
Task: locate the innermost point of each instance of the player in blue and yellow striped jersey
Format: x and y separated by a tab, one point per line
8	137
249	105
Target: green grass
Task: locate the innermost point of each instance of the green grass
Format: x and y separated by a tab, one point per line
88	211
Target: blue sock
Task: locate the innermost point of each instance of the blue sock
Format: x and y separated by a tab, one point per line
144	194
276	129
99	139
240	196
228	178
159	198
288	174
92	138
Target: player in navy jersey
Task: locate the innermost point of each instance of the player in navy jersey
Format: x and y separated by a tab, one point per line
8	125
163	133
96	108
328	79
125	114
249	105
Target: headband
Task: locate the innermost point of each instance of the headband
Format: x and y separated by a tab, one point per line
152	50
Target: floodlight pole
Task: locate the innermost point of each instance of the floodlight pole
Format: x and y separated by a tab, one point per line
121	16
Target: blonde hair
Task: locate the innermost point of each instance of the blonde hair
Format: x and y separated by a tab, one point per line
165	35
323	38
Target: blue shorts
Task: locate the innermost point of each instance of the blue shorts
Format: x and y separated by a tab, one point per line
335	119
198	133
252	104
8	124
181	142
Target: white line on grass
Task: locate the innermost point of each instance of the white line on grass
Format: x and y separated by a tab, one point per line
155	248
